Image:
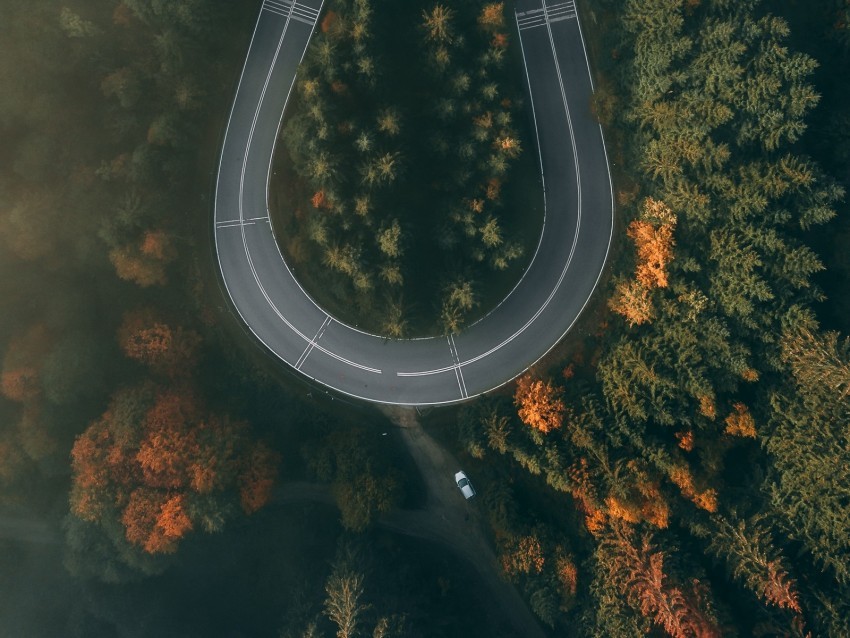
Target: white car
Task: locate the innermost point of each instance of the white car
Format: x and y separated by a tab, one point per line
465	486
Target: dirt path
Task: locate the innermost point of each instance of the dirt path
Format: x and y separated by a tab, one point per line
452	521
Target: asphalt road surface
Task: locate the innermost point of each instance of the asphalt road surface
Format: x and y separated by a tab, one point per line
531	320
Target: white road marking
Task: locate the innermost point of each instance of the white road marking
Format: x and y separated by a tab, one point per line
293	10
237	221
236	225
313	343
546	15
454	368
458	370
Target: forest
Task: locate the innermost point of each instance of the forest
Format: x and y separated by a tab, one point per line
678	466
699	426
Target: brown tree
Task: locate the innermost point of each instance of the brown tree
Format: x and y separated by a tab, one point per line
146	338
20	378
637	570
144	262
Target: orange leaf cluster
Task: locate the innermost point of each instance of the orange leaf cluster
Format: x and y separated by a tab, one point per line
320	200
653	237
328	21
164	453
567	574
475	205
155	520
144	263
684	480
750	374
707	407
642	501
780	588
595	520
146	344
540	403
146	471
740	422
623	510
494	187
131	265
686	440
656	512
157	245
492	16
584	493
500	41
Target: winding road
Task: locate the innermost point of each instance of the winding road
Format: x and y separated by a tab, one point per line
532	319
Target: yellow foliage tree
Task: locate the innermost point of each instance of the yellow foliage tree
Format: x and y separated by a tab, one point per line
540	403
631	300
492	16
740	422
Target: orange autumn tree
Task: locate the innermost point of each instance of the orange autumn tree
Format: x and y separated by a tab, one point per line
161	465
652	234
683	478
540	403
145	337
492	16
740	422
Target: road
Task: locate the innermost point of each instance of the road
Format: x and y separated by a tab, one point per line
532	319
446	519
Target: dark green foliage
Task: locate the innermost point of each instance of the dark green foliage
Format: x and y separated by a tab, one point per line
810	448
728	399
357	464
